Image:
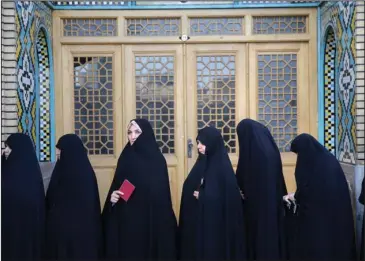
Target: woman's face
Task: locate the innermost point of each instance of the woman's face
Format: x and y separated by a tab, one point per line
201	148
133	132
7	151
58	153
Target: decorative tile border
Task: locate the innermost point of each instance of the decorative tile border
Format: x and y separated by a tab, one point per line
341	16
329	92
33	25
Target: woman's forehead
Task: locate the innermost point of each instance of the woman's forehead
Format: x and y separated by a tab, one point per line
135	125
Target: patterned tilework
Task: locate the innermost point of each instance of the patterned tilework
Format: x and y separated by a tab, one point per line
340	15
329	93
44	101
32	73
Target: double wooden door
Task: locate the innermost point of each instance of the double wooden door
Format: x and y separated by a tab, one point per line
180	89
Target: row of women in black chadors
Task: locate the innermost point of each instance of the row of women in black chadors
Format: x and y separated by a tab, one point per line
222	216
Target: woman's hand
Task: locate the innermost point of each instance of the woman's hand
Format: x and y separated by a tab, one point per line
288	197
116	196
242	196
196	194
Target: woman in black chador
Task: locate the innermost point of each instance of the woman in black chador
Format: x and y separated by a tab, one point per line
189	210
220	223
73	205
22	201
361	200
260	178
325	223
142	227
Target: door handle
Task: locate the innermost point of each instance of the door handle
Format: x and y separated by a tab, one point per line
190	148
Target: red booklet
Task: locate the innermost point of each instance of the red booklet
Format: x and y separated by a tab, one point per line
127	189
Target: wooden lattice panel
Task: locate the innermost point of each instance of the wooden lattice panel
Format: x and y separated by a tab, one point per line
153	26
277	96
216	106
93	101
155	101
89	27
279	24
216	26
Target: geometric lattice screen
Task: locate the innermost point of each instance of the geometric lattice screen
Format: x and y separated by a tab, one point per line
277	96
153	26
89	27
279	24
93	94
330	93
216	26
216	98
155	101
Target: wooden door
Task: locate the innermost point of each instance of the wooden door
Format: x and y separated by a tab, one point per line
154	91
89	104
216	93
280	96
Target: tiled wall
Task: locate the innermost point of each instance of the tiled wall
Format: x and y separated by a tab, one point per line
34	71
340	17
346	20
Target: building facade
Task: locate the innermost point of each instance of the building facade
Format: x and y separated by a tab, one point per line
90	67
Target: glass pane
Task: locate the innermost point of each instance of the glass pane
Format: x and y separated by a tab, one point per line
153	26
155	99
216	26
277	96
216	81
89	27
279	24
93	94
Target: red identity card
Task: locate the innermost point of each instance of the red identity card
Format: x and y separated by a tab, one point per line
127	189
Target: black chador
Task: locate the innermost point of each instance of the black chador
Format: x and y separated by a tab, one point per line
220	227
144	227
325	223
73	205
22	202
260	178
189	209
